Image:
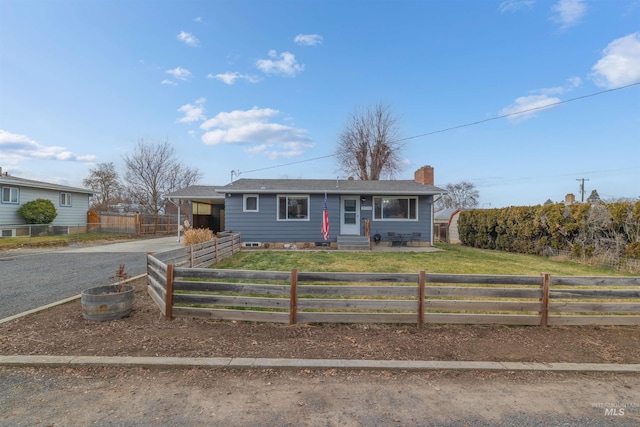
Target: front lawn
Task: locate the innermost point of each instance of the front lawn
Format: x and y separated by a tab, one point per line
455	259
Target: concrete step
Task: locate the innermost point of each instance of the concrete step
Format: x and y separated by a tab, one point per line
353	243
354	247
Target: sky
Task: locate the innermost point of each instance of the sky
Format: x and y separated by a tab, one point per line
263	89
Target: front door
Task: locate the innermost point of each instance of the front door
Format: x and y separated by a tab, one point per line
350	215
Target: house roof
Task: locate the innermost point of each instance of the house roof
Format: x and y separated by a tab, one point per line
445	215
205	193
22	182
331	186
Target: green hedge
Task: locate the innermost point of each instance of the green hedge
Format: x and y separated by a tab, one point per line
39	211
582	228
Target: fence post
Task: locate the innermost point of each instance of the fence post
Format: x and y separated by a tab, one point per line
191	254
293	297
169	293
216	248
544	301
422	278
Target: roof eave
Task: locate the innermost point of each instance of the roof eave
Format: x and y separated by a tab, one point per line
44	185
336	191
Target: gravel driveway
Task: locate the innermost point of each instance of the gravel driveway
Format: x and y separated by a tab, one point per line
33	278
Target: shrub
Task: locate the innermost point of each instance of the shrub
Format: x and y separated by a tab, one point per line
197	235
39	211
633	250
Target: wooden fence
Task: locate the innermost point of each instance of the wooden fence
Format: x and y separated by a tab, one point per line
160	266
317	297
133	223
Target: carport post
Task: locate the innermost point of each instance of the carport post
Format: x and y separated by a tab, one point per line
178	205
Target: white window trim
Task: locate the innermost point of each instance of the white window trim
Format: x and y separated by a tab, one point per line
244	203
307	196
416	198
68	205
17	191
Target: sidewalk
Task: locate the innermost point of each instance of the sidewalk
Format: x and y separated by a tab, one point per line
257	363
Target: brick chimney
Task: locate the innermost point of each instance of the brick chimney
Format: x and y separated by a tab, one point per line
424	175
570	198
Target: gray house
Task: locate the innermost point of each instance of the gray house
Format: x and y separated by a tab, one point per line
71	203
290	211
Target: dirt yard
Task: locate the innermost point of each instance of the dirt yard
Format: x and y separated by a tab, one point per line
63	331
112	396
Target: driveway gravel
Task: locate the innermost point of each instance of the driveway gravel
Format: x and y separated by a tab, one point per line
33	278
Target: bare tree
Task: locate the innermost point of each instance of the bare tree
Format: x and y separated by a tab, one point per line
462	195
369	144
104	180
153	171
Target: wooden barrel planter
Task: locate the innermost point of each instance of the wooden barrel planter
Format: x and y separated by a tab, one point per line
104	303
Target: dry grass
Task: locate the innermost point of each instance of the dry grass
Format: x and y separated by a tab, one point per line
197	235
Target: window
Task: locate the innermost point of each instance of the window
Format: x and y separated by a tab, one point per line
65	199
250	203
200	209
293	208
10	195
395	208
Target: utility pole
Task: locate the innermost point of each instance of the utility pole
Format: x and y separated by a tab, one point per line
582	187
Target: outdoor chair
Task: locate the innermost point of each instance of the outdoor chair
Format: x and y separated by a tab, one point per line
393	238
415	236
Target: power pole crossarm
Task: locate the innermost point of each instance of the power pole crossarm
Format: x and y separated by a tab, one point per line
582	180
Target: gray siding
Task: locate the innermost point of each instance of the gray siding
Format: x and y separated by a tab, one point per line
76	214
263	226
422	225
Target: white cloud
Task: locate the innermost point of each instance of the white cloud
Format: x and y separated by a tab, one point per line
169	82
197	19
273	152
286	65
308	39
526	104
188	39
193	113
539	99
15	147
515	5
179	73
239	118
254	128
572	83
620	64
568	13
231	77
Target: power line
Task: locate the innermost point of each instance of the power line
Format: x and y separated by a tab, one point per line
520	112
286	164
528	110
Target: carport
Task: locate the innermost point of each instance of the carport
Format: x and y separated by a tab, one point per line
203	205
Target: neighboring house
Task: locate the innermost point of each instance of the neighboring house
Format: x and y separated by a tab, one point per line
205	206
291	210
445	225
71	203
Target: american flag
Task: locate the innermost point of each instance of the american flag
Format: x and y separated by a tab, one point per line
325	219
